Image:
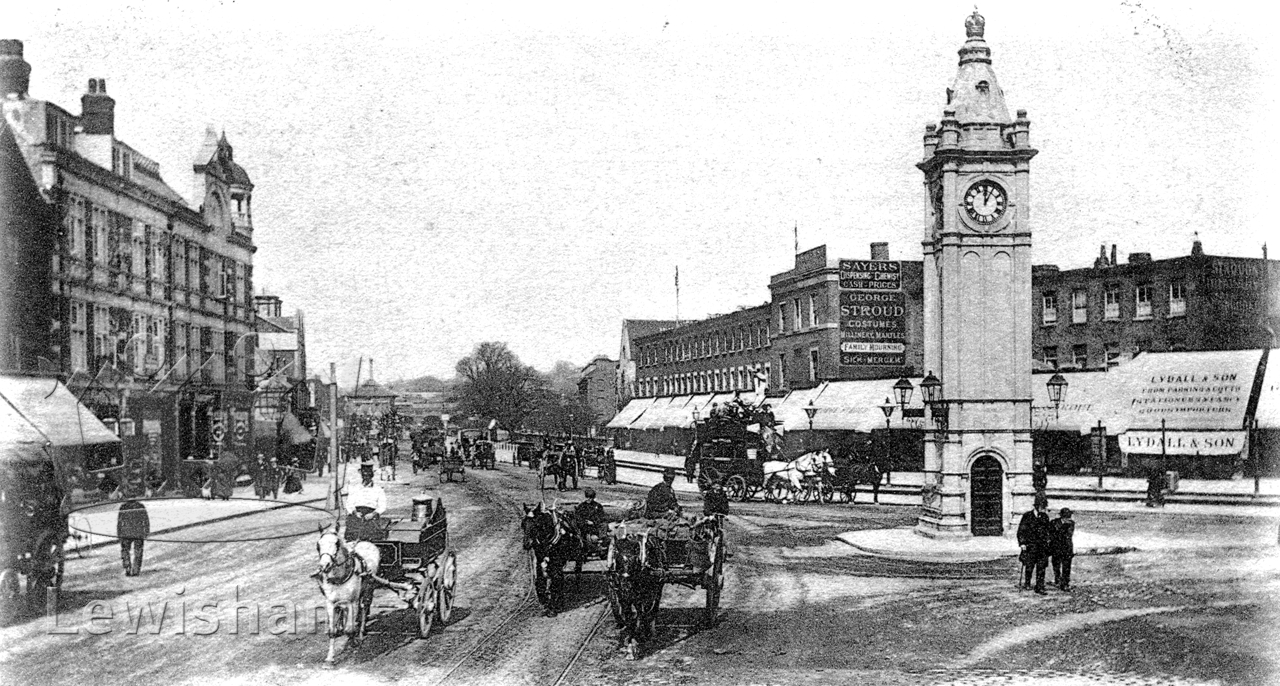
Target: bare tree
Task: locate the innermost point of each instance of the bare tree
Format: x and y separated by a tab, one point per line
493	383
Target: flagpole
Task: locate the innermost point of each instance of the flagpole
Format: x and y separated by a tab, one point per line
677	295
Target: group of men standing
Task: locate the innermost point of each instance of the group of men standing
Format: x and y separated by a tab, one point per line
1043	540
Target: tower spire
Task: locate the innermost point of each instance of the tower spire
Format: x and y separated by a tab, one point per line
976	96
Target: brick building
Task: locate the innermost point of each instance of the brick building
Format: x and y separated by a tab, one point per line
153	292
792	342
596	388
805	323
721	353
1097	317
1090	318
632	330
28	227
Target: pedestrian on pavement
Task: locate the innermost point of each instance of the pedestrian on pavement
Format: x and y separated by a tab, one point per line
1155	487
1033	539
1062	548
132	527
691	463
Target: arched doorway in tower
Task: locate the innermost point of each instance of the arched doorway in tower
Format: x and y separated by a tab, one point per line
986	497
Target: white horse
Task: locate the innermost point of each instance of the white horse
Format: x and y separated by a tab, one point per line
346	578
817	463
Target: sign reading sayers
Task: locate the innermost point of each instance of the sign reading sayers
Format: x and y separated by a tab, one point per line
873	321
871	275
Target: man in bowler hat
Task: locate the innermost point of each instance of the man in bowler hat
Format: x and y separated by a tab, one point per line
1062	548
1033	538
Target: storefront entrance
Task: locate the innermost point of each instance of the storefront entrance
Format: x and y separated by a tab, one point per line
986	497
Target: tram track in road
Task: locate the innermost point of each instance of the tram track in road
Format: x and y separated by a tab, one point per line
519	633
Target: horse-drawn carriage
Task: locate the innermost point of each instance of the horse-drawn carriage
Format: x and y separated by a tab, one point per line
484	456
412	557
426	452
727	453
645	555
452	463
33	529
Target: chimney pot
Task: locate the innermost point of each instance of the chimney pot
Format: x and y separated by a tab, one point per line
1113	254
15	73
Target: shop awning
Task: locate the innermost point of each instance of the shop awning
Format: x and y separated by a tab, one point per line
790	410
628	414
1082	405
1268	412
1188	390
20	440
855	406
54	411
664	413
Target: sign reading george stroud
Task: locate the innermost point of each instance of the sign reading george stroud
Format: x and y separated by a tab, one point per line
873	327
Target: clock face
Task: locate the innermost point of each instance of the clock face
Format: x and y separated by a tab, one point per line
985	202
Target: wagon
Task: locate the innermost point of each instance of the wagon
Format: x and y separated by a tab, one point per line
450	465
693	556
729	454
33	529
485	457
417	552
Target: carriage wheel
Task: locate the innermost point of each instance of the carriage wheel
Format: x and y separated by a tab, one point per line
715	578
826	493
777	489
426	606
736	488
448	583
46	569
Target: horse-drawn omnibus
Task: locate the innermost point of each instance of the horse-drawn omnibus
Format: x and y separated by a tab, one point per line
727	453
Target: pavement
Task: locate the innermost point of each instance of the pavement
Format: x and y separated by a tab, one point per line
173	518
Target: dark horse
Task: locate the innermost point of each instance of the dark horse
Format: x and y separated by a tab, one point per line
552	541
850	474
635	588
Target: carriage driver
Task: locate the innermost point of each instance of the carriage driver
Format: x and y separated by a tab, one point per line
592	515
662	497
365	506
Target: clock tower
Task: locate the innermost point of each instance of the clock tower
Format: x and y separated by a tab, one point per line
977	305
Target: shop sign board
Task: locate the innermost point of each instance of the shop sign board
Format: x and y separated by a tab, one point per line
873	328
1183	442
871	275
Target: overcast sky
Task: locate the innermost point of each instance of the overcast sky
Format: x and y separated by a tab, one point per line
428	177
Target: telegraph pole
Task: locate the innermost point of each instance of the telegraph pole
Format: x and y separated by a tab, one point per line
335	493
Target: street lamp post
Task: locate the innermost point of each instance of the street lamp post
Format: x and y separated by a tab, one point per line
931	387
887	409
1057	386
812	412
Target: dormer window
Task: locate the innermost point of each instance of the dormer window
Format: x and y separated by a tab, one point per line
983	87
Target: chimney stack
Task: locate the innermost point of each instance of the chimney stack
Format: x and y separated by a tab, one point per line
1198	250
880	251
15	73
1102	257
1139	257
1113	254
97	109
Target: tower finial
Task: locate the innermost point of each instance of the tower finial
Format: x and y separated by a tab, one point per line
974	24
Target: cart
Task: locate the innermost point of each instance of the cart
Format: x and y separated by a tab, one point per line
450	465
33	529
693	556
417	552
485	457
